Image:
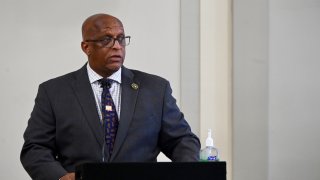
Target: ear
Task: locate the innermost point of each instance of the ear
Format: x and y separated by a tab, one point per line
86	48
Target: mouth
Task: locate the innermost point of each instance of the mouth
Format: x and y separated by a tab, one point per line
115	58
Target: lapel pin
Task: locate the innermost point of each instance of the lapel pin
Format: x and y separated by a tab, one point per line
134	86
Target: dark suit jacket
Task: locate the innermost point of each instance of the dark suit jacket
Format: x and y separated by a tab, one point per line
64	129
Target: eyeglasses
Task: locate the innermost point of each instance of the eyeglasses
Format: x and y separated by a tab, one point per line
109	41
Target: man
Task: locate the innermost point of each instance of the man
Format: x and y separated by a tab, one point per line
68	127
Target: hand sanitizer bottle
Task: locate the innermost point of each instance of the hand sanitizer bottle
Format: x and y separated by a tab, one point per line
209	153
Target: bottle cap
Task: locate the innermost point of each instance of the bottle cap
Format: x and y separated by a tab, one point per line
209	140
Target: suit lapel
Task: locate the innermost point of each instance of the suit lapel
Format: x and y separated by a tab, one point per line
83	91
128	100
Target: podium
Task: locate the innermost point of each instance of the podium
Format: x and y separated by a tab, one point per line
152	171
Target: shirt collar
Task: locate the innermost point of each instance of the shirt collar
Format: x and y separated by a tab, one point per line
93	76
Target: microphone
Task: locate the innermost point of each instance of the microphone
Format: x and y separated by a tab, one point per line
104	141
104	146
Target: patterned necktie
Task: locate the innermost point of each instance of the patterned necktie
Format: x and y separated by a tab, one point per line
109	114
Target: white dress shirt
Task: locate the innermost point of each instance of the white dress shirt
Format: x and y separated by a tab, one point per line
115	89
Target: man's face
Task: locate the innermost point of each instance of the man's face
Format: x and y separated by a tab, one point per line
105	60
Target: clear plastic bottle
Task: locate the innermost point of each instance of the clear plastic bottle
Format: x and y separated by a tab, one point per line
209	153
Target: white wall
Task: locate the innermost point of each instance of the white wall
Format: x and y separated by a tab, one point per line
215	76
41	40
294	86
250	90
276	90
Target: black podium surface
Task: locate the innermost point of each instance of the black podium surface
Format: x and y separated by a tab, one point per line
152	171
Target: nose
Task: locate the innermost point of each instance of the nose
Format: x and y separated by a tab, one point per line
116	45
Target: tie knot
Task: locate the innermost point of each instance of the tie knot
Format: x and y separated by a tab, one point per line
105	83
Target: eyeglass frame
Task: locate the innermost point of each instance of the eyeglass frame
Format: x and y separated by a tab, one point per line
119	39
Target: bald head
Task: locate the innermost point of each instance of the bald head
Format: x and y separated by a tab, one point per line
97	23
97	31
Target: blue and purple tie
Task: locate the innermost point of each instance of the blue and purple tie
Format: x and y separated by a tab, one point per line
109	115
